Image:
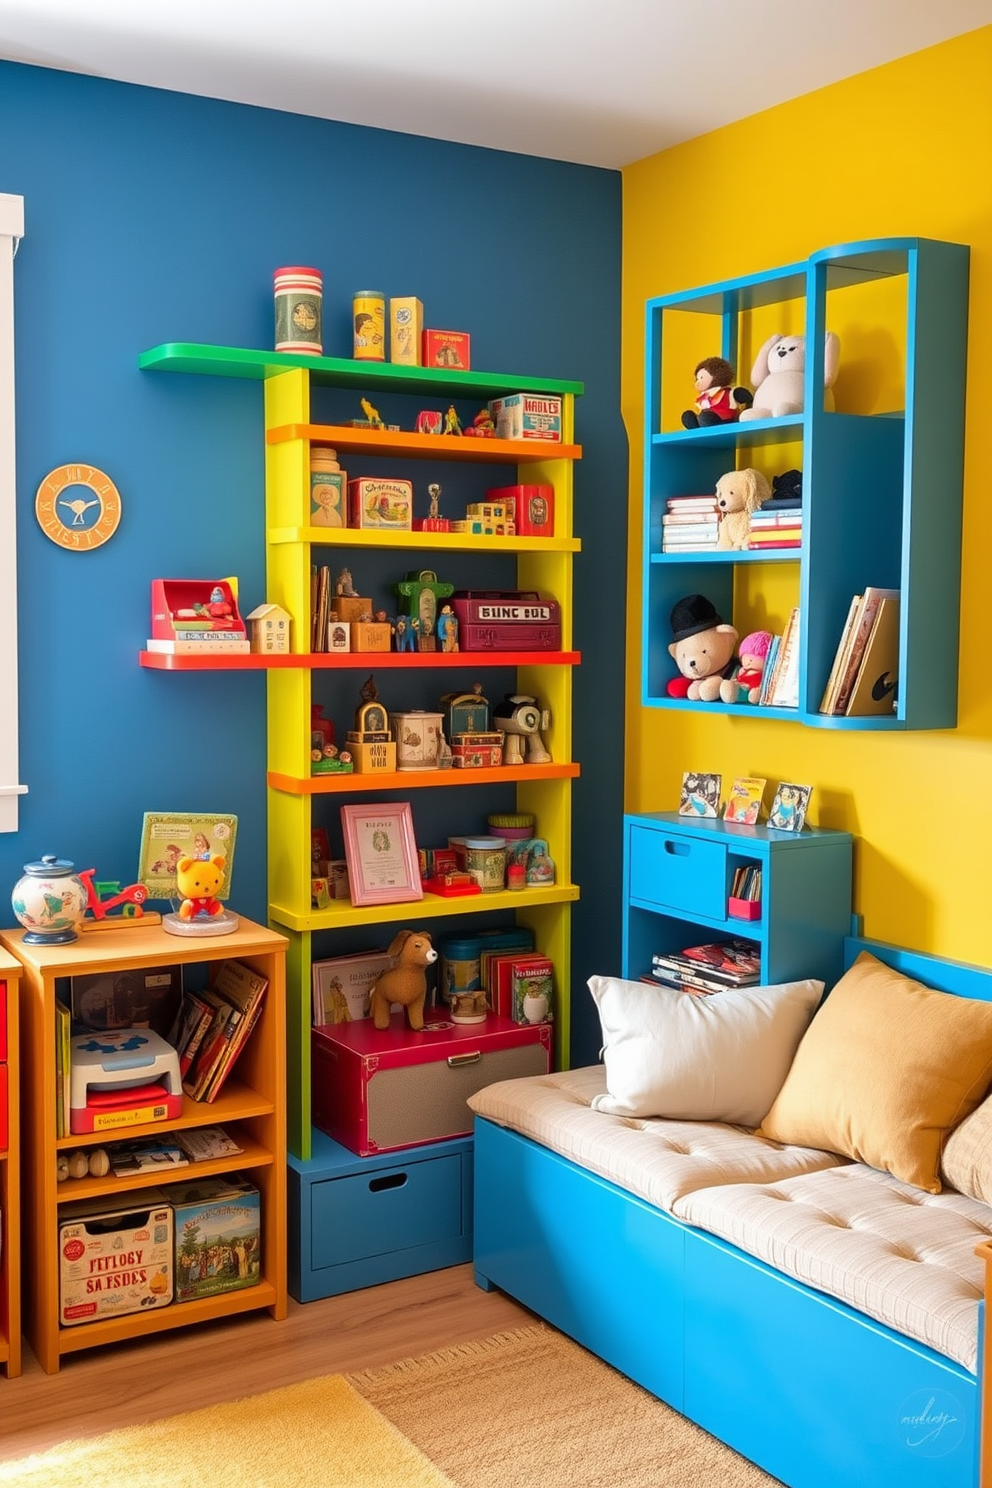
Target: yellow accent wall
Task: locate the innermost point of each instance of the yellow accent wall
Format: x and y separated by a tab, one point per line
901	150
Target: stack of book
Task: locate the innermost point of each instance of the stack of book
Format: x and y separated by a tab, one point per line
213	1026
865	670
778	523
704	969
690	525
780	678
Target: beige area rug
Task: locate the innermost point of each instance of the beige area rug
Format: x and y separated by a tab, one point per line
524	1409
320	1434
530	1409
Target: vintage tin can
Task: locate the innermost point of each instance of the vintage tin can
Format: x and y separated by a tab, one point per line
328	488
406	324
418	739
368	309
298	300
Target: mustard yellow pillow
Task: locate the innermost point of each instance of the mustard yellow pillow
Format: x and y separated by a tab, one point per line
885	1070
967	1161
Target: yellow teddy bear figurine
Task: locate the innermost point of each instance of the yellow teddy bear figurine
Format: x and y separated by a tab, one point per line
198	880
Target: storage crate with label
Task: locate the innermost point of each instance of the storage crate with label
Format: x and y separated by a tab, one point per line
115	1256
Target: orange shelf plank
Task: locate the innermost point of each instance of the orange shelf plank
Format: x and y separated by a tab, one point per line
240	661
319	785
427	446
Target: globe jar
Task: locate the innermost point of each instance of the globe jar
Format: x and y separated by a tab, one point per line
49	901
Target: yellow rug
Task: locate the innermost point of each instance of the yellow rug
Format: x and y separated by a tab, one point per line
321	1434
524	1409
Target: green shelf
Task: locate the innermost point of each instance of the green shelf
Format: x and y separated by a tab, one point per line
232	361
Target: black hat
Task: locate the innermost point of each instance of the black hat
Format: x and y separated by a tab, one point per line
692	615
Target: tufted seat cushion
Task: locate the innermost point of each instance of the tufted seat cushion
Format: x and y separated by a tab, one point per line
656	1159
894	1252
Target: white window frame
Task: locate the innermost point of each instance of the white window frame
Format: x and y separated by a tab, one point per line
11	232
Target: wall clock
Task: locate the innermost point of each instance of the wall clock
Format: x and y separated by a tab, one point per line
78	507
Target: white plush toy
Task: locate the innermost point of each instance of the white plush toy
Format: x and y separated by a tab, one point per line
779	373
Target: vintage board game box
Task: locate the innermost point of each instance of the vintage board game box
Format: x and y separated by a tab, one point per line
376	1090
380	505
114	1258
527	416
406	329
218	1235
506	620
450	349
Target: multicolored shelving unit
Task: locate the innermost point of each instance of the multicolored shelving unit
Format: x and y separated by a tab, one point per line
292	546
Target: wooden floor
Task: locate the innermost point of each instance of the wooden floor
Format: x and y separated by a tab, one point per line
123	1384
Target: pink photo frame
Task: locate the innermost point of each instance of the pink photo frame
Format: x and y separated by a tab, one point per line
381	851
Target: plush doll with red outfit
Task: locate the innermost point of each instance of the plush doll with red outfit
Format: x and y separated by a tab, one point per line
717	400
745	685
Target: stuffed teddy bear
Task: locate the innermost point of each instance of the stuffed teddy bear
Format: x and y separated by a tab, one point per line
717	401
745	685
198	880
779	374
405	981
738	494
702	648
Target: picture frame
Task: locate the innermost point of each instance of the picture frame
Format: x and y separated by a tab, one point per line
700	794
167	836
381	852
788	813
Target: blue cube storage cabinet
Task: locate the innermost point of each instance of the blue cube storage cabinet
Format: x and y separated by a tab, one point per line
358	1221
882	491
677	878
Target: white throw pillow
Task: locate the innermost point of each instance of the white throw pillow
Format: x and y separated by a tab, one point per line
718	1058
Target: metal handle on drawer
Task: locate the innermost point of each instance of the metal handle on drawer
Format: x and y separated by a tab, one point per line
454	1060
390	1180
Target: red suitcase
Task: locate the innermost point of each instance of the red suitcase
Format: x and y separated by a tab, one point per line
376	1091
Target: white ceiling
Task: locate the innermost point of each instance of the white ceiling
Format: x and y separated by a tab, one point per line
601	82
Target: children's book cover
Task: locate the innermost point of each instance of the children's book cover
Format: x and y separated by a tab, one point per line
167	836
789	807
700	795
744	801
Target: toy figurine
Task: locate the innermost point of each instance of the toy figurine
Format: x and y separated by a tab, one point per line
482	426
447	628
717	400
405	631
345	585
452	424
434	492
371	415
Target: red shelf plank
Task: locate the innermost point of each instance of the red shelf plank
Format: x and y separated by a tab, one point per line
159	661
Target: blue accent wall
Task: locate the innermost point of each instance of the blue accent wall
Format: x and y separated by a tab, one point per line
155	216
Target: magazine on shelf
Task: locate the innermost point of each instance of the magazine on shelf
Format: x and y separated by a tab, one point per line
206	1143
145	1155
744	801
735	960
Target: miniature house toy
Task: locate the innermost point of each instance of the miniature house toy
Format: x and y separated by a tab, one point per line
268	629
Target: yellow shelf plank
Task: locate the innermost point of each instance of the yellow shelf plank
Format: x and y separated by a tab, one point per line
343	914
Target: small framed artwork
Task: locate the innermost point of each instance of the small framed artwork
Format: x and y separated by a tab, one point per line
744	801
381	853
167	836
789	807
700	795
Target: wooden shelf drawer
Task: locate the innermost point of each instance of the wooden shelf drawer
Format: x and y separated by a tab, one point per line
678	871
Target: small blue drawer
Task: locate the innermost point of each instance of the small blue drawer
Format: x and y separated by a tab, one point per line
392	1209
681	873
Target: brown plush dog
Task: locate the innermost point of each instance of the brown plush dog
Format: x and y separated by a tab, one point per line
405	981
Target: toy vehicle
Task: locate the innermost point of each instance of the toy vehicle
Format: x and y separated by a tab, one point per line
132	897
